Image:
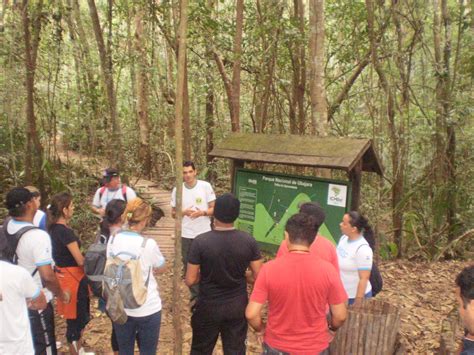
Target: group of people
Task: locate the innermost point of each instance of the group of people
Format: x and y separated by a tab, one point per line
307	287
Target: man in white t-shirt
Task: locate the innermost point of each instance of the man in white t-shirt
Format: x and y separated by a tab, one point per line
113	189
17	287
34	254
198	206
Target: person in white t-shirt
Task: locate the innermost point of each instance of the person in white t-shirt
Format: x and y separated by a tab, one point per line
34	253
113	189
198	206
40	219
17	291
355	256
142	322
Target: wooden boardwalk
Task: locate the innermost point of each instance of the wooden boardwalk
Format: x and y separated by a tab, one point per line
162	233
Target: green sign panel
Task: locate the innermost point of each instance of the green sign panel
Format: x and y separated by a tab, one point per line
268	199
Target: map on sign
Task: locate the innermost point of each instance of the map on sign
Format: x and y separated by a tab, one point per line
268	200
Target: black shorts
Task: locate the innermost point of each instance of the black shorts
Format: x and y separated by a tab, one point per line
42	330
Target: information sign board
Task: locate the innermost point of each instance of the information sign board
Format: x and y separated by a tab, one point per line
268	200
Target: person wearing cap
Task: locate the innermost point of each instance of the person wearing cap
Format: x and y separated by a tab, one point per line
112	189
321	247
198	206
218	261
40	219
34	253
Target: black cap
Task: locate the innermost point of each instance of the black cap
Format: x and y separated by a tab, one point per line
227	208
111	172
17	197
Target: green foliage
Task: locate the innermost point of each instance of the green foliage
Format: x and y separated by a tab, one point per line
72	110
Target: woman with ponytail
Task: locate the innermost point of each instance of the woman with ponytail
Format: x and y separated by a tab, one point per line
355	255
142	322
70	272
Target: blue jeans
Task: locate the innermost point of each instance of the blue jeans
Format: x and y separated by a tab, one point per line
367	295
146	328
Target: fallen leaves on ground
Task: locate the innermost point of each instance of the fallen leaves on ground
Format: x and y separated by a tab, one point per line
424	292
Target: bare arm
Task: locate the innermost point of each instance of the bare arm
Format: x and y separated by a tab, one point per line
201	213
192	275
364	276
210	208
254	270
98	210
76	253
38	302
51	282
253	313
338	315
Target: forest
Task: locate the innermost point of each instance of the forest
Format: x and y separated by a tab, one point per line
100	78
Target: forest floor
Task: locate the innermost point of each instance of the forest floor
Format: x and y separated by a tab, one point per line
424	292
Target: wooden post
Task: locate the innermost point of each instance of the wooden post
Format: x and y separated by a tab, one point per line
234	165
370	329
178	333
355	176
451	328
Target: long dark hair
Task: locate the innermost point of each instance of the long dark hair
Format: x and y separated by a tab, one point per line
362	224
59	202
114	211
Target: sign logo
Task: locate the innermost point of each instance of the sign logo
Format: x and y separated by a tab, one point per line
337	195
198	200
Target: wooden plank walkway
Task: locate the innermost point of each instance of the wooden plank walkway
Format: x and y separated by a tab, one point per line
162	233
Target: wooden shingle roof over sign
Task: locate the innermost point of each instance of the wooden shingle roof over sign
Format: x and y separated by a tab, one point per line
322	152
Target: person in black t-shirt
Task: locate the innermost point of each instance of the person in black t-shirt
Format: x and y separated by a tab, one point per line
70	272
218	261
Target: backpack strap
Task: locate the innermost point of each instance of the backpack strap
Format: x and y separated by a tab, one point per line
124	192
14	239
101	192
149	269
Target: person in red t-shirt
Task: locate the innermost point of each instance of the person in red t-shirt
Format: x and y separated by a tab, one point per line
321	247
297	286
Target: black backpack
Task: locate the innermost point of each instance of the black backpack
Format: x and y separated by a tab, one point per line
94	264
375	280
9	242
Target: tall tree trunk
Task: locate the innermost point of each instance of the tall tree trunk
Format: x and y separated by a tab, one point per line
34	151
445	147
267	11
86	65
397	213
116	155
180	87
299	70
142	93
319	111
235	100
232	86
187	138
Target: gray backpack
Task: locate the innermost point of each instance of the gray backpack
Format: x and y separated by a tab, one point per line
123	284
